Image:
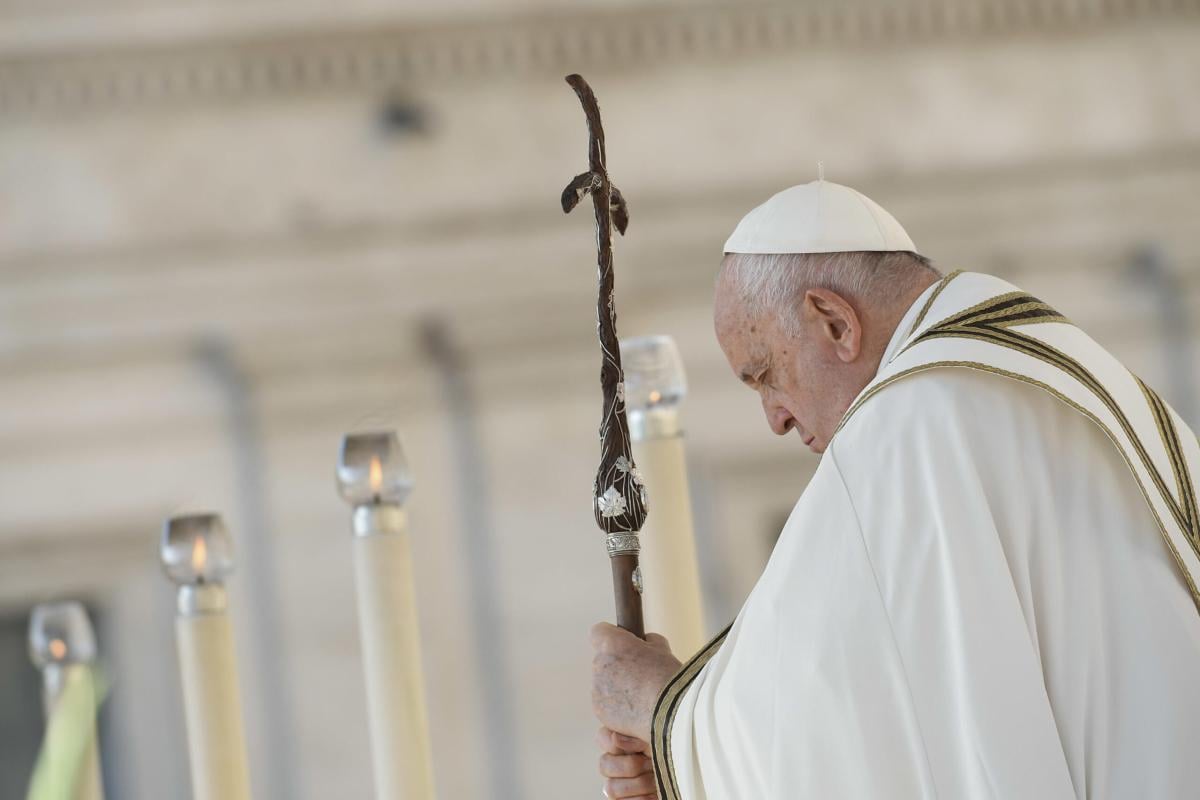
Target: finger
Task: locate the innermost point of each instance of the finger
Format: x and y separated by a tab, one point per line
659	641
600	635
609	742
608	638
629	744
623	766
630	787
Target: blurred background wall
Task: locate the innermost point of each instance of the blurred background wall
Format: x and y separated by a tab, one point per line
230	231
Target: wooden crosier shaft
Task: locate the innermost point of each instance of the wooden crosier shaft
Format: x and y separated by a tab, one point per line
387	614
627	596
629	600
620	499
212	706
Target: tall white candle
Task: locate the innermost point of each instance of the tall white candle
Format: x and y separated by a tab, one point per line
198	556
63	646
373	477
655	385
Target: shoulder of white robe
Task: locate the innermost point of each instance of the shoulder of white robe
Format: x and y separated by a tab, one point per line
1078	372
664	716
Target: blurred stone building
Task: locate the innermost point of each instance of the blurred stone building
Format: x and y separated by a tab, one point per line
230	231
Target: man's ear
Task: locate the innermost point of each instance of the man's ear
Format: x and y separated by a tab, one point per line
836	321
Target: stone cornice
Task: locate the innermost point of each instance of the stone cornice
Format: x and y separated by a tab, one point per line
114	76
532	220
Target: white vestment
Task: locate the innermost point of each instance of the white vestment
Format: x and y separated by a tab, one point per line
984	592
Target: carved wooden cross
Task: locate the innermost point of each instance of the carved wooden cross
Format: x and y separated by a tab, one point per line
619	494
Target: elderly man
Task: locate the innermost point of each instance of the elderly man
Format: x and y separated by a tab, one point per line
988	589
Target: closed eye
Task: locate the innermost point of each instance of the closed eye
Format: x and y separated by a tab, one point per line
754	379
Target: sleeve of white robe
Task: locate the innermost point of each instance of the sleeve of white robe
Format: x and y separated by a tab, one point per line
883	652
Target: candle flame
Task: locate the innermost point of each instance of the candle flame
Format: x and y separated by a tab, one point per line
375	475
58	649
199	554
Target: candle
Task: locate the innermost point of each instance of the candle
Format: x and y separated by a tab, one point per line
654	387
373	477
63	647
198	556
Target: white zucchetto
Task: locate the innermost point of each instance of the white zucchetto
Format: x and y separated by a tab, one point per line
818	217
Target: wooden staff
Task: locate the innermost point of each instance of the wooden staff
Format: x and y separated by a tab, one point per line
619	494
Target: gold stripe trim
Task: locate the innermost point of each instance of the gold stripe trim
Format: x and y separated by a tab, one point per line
1030	319
976	365
1162	528
1035	348
954	319
942	284
1174	447
1004	310
989	320
664	717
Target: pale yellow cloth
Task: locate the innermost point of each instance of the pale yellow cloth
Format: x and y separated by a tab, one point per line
69	739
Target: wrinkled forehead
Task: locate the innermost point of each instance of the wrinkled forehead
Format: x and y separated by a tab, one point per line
733	307
731	315
744	338
729	305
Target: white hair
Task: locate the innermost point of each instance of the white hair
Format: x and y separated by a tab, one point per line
773	284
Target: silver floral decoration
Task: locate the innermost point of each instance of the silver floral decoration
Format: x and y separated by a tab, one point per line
611	503
626	467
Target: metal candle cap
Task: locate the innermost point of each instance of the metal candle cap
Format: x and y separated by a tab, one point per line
61	633
654	374
372	469
196	549
655	385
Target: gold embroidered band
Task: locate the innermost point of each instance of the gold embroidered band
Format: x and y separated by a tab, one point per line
664	717
993	321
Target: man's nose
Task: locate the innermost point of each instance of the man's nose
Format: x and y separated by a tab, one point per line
778	417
